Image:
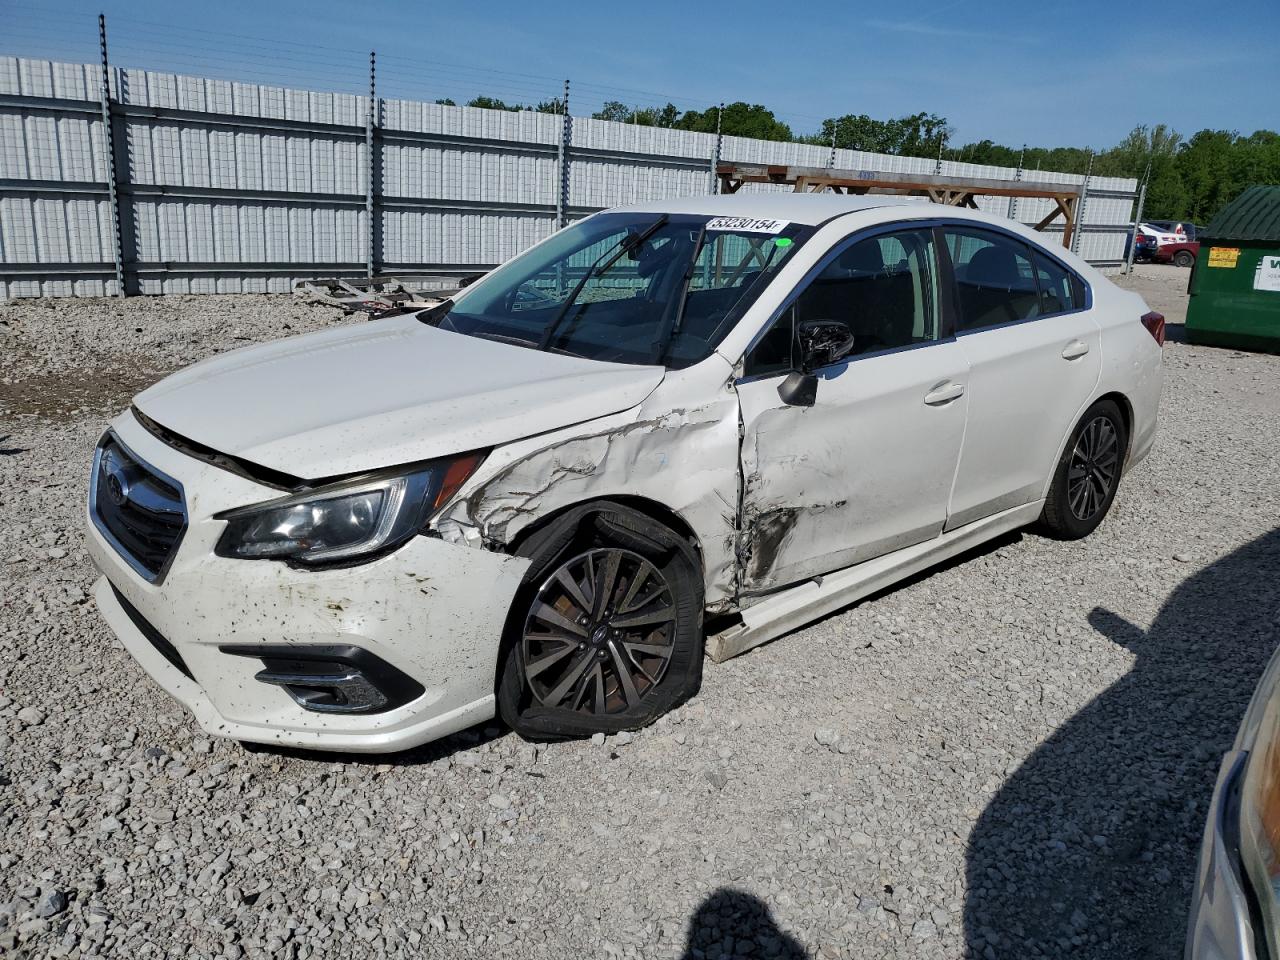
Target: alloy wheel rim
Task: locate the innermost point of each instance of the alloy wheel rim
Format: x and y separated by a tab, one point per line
1092	469
599	635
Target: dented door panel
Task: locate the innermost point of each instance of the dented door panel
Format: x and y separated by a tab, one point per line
866	470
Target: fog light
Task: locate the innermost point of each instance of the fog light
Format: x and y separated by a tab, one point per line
331	679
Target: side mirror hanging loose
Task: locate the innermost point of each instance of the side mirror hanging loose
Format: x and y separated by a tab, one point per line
821	342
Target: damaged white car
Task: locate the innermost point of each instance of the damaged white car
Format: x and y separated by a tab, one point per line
666	430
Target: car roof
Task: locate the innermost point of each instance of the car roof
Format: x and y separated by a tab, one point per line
816	209
808	208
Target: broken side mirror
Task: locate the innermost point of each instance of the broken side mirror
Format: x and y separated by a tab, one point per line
821	342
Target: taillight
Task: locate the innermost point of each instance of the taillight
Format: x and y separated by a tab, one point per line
1154	322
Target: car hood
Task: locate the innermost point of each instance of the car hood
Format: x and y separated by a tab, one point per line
374	395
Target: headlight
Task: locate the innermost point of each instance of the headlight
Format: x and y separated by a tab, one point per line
356	518
1260	809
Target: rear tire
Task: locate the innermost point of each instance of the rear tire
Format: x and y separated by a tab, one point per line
1088	473
605	633
1184	258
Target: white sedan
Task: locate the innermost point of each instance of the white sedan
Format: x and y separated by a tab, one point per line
529	499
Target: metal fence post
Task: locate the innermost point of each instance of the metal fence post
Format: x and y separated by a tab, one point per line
369	123
1137	219
1017	177
1080	205
566	133
715	156
117	244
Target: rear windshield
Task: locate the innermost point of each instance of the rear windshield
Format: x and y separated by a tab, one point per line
640	288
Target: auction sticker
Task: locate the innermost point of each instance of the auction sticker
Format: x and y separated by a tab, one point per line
1268	275
747	225
1223	256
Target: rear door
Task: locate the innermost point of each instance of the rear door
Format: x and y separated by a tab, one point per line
868	468
1034	354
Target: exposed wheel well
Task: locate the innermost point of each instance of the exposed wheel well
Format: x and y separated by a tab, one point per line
650	508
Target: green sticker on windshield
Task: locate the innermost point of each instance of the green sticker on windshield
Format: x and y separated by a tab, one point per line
782	241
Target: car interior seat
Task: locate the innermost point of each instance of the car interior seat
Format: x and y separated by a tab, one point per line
993	289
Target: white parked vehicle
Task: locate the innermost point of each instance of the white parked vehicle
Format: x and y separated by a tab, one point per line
526	500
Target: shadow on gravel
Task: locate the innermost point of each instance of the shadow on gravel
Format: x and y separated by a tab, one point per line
731	923
1088	850
10	451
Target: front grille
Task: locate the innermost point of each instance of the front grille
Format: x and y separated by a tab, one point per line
137	508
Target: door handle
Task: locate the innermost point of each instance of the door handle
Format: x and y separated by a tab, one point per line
944	392
1074	349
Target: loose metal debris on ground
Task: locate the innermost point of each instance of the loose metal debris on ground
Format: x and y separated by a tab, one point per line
1006	757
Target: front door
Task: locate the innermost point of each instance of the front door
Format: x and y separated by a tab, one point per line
868	468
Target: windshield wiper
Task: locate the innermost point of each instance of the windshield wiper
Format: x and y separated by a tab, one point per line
632	241
675	317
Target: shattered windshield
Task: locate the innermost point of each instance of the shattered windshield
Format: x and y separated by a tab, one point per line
630	287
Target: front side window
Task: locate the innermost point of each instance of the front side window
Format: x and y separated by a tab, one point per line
629	287
884	288
994	279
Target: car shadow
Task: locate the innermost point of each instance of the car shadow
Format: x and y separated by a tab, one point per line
450	746
731	923
1089	848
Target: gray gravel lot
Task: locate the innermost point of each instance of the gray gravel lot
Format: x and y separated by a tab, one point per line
1009	757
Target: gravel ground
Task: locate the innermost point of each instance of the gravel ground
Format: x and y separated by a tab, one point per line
1009	757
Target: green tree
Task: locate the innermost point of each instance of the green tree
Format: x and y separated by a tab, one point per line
1167	197
1206	168
492	103
985	151
917	134
1142	145
739	120
666	116
614	110
619	112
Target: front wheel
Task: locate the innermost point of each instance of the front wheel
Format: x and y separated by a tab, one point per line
1085	480
606	632
1184	258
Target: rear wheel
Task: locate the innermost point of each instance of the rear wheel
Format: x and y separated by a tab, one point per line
1184	258
606	633
1084	483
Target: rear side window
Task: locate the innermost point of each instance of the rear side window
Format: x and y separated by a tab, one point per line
1057	289
994	278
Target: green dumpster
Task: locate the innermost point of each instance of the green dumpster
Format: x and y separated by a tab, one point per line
1235	285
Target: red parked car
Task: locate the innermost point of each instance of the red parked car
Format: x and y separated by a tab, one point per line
1164	242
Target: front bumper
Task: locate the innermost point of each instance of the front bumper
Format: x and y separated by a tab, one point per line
433	610
1220	927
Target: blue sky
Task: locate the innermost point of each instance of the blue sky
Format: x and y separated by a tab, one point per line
1043	73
